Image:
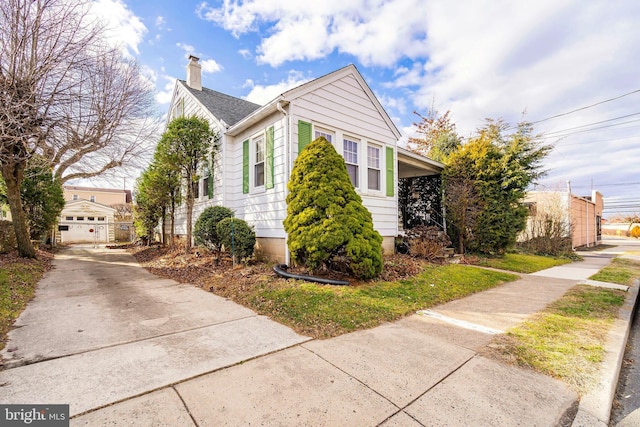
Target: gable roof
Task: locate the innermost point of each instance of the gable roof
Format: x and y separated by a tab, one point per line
310	86
85	204
225	107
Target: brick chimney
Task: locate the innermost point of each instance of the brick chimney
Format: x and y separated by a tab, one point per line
194	73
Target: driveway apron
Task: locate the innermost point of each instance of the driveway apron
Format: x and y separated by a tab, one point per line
102	329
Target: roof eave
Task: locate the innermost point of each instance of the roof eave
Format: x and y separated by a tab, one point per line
256	116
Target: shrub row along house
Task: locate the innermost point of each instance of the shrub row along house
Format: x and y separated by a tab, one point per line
257	146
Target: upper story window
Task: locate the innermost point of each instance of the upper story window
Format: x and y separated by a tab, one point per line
80	218
350	153
258	166
92	198
373	167
68	218
74	197
321	132
178	109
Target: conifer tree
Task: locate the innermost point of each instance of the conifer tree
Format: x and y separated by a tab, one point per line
327	224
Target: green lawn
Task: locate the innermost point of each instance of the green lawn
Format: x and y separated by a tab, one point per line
566	339
325	311
522	263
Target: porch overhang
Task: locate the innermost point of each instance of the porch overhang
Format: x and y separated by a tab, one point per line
411	165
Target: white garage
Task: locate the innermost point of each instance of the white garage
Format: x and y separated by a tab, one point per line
82	221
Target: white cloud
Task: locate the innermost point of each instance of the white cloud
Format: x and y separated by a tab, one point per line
210	66
188	49
124	28
160	22
260	94
245	53
376	32
164	96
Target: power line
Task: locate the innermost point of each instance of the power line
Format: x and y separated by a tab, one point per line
591	124
584	108
586	130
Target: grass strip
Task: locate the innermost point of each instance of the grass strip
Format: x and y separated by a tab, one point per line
621	270
566	339
326	311
18	279
523	263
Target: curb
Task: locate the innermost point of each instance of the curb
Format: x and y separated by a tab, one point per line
595	407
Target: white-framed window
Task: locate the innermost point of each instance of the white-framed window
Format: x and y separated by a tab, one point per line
92	199
74	197
328	135
91	218
68	218
350	153
196	189
178	109
80	218
258	163
205	182
101	218
373	167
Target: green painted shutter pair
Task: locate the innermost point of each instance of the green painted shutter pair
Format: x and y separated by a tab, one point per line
269	160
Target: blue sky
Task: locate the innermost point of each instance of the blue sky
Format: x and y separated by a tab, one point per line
476	58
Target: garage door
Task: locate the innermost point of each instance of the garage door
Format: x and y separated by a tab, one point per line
74	232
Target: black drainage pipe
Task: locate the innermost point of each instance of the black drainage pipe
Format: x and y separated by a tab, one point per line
281	270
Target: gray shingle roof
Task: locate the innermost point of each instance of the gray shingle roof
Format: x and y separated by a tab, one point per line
226	107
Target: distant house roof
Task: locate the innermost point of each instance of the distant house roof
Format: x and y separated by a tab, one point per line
225	107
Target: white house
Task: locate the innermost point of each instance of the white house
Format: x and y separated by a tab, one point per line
258	145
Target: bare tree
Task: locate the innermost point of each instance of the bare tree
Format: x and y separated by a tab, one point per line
67	95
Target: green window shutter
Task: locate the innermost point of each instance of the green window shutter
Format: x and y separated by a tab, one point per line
304	135
391	184
269	173
210	189
245	167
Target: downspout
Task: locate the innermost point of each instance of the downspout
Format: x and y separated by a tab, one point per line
287	172
587	221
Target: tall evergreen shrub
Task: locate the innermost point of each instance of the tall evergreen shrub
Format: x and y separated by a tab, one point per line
327	224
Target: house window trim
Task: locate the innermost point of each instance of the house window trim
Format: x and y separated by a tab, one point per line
324	132
358	142
254	163
378	168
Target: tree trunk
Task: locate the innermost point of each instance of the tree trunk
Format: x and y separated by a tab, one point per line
163	224
189	222
13	175
172	232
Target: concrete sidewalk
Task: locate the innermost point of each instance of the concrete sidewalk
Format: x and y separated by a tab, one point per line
422	370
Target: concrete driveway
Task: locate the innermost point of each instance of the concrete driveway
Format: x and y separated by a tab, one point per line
102	329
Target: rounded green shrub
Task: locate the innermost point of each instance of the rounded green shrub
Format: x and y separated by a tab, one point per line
205	230
237	237
327	224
